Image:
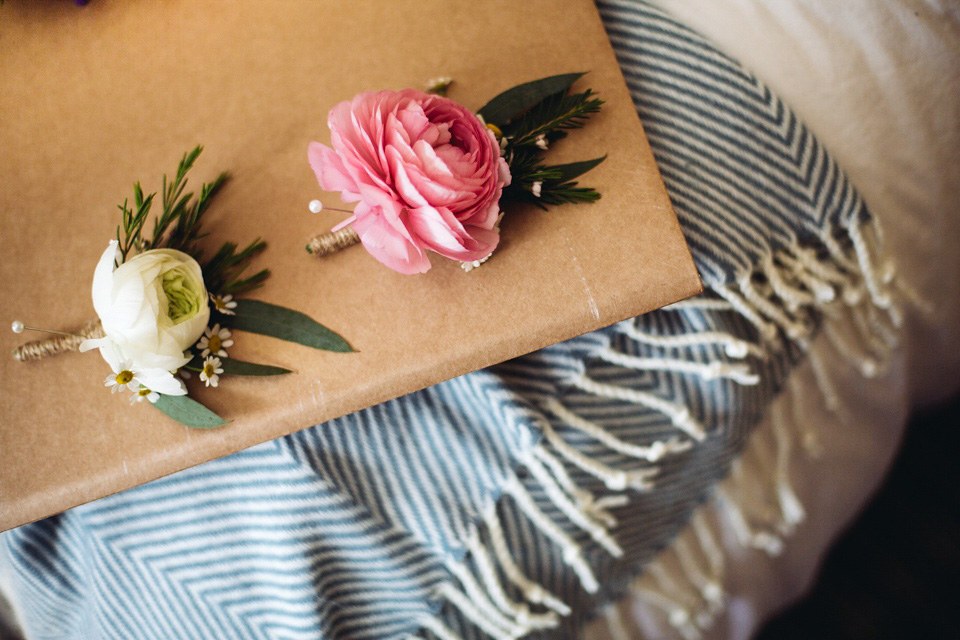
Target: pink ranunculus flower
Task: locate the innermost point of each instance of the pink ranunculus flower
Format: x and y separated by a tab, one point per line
425	172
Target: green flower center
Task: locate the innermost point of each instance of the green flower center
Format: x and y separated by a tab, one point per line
124	377
215	343
183	298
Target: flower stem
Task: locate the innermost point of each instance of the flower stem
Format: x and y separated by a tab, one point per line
55	345
330	242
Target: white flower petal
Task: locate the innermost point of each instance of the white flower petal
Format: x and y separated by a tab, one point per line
160	361
94	343
103	279
161	381
133	308
111	353
186	333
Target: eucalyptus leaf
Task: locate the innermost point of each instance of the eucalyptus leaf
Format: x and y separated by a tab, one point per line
574	169
234	367
240	368
513	102
286	324
189	412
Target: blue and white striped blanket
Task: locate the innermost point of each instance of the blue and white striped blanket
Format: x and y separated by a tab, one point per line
514	500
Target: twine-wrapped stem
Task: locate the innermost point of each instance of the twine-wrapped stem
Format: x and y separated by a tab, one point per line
330	242
55	345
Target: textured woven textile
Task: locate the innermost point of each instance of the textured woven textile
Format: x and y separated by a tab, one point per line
511	501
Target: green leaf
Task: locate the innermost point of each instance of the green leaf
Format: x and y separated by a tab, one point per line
234	367
513	102
240	368
553	115
279	322
189	412
572	170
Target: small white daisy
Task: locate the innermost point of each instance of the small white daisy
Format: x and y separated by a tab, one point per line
127	375
211	371
122	379
535	188
541	141
144	394
224	304
214	340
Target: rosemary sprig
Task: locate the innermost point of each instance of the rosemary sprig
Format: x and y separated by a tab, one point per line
552	117
186	232
130	229
222	274
174	202
180	226
529	135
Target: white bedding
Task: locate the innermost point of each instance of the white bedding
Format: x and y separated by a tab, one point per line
878	82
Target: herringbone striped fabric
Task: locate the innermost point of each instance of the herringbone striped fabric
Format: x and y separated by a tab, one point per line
512	500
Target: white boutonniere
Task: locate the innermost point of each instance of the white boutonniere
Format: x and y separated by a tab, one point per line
156	296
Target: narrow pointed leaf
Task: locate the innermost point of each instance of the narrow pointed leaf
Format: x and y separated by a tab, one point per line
189	412
240	368
234	367
513	102
286	324
574	169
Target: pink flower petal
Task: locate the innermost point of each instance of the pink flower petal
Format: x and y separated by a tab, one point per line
439	231
425	172
330	172
391	248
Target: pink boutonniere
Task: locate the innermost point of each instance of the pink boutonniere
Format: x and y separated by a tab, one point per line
428	174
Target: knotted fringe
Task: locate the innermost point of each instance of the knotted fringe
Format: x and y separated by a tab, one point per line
758	503
491	590
860	324
781	300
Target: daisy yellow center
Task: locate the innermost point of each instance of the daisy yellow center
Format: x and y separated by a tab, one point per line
208	370
143	392
124	377
215	343
219	303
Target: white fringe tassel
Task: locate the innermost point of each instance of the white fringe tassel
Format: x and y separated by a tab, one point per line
757	500
686	580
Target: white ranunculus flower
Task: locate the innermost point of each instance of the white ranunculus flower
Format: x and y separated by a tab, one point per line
153	306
